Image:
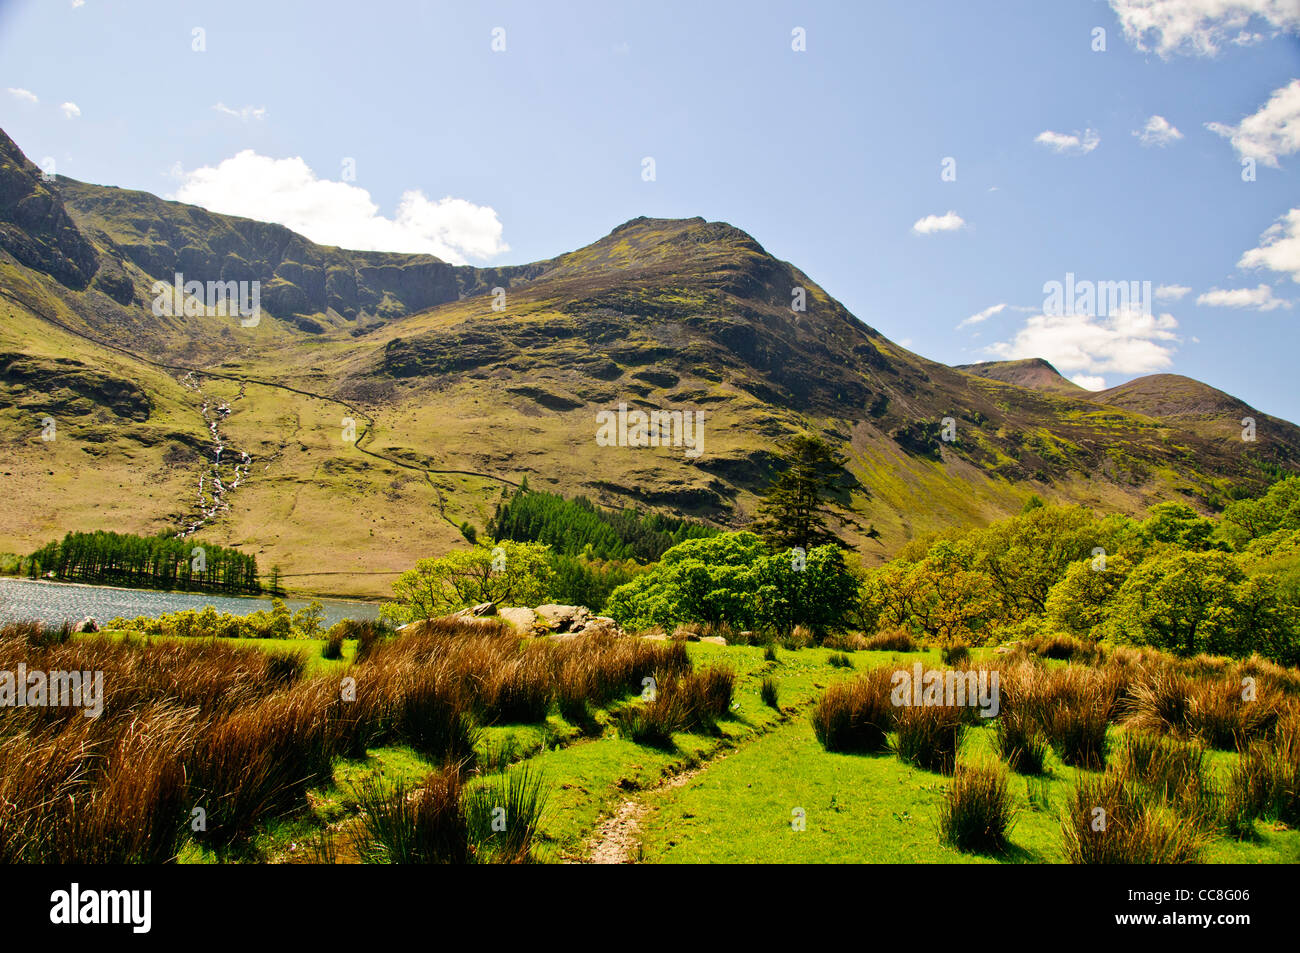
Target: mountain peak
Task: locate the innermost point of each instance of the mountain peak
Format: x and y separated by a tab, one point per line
1032	372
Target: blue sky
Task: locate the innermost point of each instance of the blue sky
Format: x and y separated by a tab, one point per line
831	156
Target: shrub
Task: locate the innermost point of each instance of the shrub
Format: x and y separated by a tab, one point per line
1106	822
929	736
258	761
800	637
333	646
769	691
1218	714
1265	782
856	715
769	653
504	815
1076	727
1159	701
955	653
424	826
1020	740
1064	648
892	640
518	690
1173	772
369	633
434	720
976	812
840	660
681	702
285	667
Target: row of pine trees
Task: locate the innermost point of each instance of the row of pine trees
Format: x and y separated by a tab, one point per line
150	562
576	526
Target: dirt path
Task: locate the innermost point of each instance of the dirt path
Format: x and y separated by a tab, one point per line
616	840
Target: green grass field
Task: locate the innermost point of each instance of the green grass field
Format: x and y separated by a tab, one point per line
731	797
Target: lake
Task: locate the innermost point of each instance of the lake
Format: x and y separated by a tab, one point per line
22	600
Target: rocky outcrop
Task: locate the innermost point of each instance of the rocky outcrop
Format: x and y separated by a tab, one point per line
35	227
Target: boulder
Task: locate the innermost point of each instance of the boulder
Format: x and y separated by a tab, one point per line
599	625
564	618
521	617
714	639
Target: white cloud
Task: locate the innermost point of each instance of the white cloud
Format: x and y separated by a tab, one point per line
1158	131
244	113
70	110
1069	144
983	315
1127	342
1271	132
1256	299
26	95
949	222
1089	381
1200	27
1171	292
78	3
337	213
1279	247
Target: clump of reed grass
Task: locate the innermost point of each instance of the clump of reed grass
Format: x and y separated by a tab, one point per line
976	813
891	640
855	715
1105	821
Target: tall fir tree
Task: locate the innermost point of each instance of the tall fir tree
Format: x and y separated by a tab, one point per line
795	508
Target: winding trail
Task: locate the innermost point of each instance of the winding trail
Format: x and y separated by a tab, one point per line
616	840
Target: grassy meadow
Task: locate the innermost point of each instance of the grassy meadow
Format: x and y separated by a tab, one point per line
462	742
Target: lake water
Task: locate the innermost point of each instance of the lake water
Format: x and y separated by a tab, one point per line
22	600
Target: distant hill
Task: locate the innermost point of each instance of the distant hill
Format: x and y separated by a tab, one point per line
455	392
1032	372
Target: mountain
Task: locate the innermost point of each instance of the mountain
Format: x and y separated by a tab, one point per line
457	382
1032	372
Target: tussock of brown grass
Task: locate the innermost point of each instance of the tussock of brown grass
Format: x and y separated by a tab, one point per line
1106	821
891	640
243	734
855	715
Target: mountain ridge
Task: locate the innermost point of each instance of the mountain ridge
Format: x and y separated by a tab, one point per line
460	398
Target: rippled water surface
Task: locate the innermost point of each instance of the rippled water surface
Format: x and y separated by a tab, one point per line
24	599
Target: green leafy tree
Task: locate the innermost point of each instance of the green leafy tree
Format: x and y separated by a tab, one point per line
1180	601
1278	509
307	620
732	578
504	573
1023	557
815	589
1179	524
1081	601
1267	620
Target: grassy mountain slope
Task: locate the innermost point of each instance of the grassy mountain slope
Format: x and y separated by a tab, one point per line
457	393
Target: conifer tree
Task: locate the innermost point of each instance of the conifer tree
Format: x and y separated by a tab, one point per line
794	510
